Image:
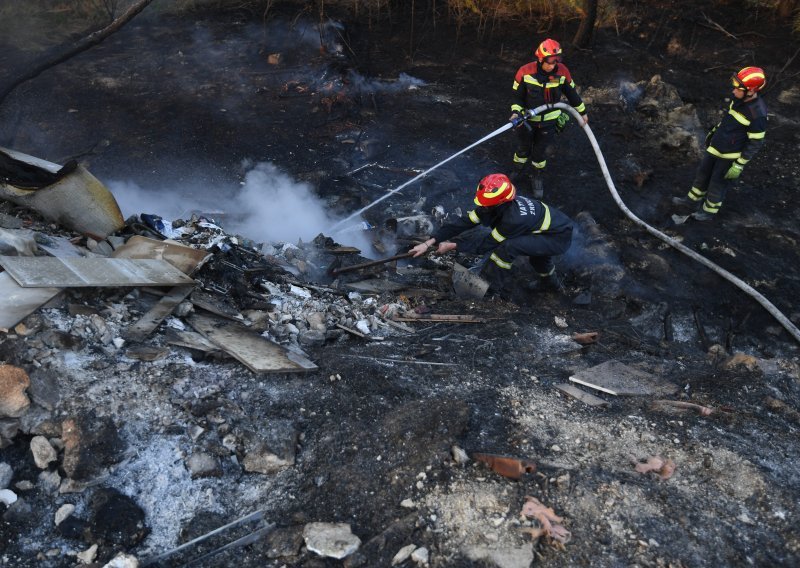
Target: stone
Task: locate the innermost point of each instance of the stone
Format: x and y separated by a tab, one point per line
90	443
43	452
331	540
49	481
203	465
7	497
420	556
6	475
88	555
13	384
8	429
44	389
122	560
115	519
273	450
63	512
283	542
403	554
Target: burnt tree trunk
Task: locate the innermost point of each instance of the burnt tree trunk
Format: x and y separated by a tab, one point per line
61	54
584	34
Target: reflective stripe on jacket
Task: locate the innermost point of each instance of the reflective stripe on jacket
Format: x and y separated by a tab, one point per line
533	88
741	132
522	216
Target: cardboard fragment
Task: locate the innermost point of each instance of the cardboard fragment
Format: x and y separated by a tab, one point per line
619	379
257	353
186	259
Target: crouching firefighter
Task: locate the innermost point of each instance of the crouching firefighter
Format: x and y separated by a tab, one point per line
520	226
730	145
538	83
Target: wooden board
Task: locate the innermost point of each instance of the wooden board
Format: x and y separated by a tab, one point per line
257	353
619	379
16	302
155	315
583	396
48	272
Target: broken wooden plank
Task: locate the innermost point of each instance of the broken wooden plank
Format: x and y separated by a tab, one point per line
457	318
357	333
619	379
155	315
257	353
374	286
16	302
191	340
211	304
47	272
583	396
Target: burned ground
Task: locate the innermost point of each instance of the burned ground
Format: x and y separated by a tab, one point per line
182	104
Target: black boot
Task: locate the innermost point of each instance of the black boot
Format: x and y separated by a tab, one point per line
549	283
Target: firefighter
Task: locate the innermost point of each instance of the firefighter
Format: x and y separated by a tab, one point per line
520	226
540	82
730	145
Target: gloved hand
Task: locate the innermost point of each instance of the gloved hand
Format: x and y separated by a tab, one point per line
734	171
516	119
561	122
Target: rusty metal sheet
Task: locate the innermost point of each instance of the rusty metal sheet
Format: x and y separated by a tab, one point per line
16	302
47	272
257	353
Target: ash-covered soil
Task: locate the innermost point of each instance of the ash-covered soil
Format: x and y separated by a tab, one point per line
178	109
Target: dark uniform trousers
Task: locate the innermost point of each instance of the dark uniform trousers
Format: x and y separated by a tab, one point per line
710	182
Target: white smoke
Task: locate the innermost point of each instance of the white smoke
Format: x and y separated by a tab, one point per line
269	207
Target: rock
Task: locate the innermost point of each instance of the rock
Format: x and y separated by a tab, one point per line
43	452
510	557
116	519
122	560
13	383
316	321
311	338
331	540
88	555
63	512
421	556
8	429
273	451
89	444
7	497
459	455
49	481
71	527
24	485
403	554
203	465
44	389
284	542
6	475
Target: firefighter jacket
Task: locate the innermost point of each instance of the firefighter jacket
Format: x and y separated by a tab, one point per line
522	216
533	88
741	132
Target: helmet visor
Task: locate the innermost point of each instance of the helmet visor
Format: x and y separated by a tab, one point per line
737	84
552	59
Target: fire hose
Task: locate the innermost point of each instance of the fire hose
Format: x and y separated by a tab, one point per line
746	288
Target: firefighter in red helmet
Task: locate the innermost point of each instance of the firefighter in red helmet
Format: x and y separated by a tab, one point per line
540	82
730	145
520	226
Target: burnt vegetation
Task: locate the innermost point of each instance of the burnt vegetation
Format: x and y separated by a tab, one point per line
439	442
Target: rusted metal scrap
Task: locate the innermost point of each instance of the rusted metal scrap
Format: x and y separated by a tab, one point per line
585	338
507	466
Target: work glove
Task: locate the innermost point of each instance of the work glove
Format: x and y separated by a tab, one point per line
516	119
734	171
561	122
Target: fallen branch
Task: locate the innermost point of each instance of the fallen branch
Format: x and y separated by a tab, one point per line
82	45
701	410
460	318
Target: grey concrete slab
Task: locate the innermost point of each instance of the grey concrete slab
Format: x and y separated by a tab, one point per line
17	302
619	379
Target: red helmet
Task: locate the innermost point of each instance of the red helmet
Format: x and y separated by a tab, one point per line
548	49
494	189
751	78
